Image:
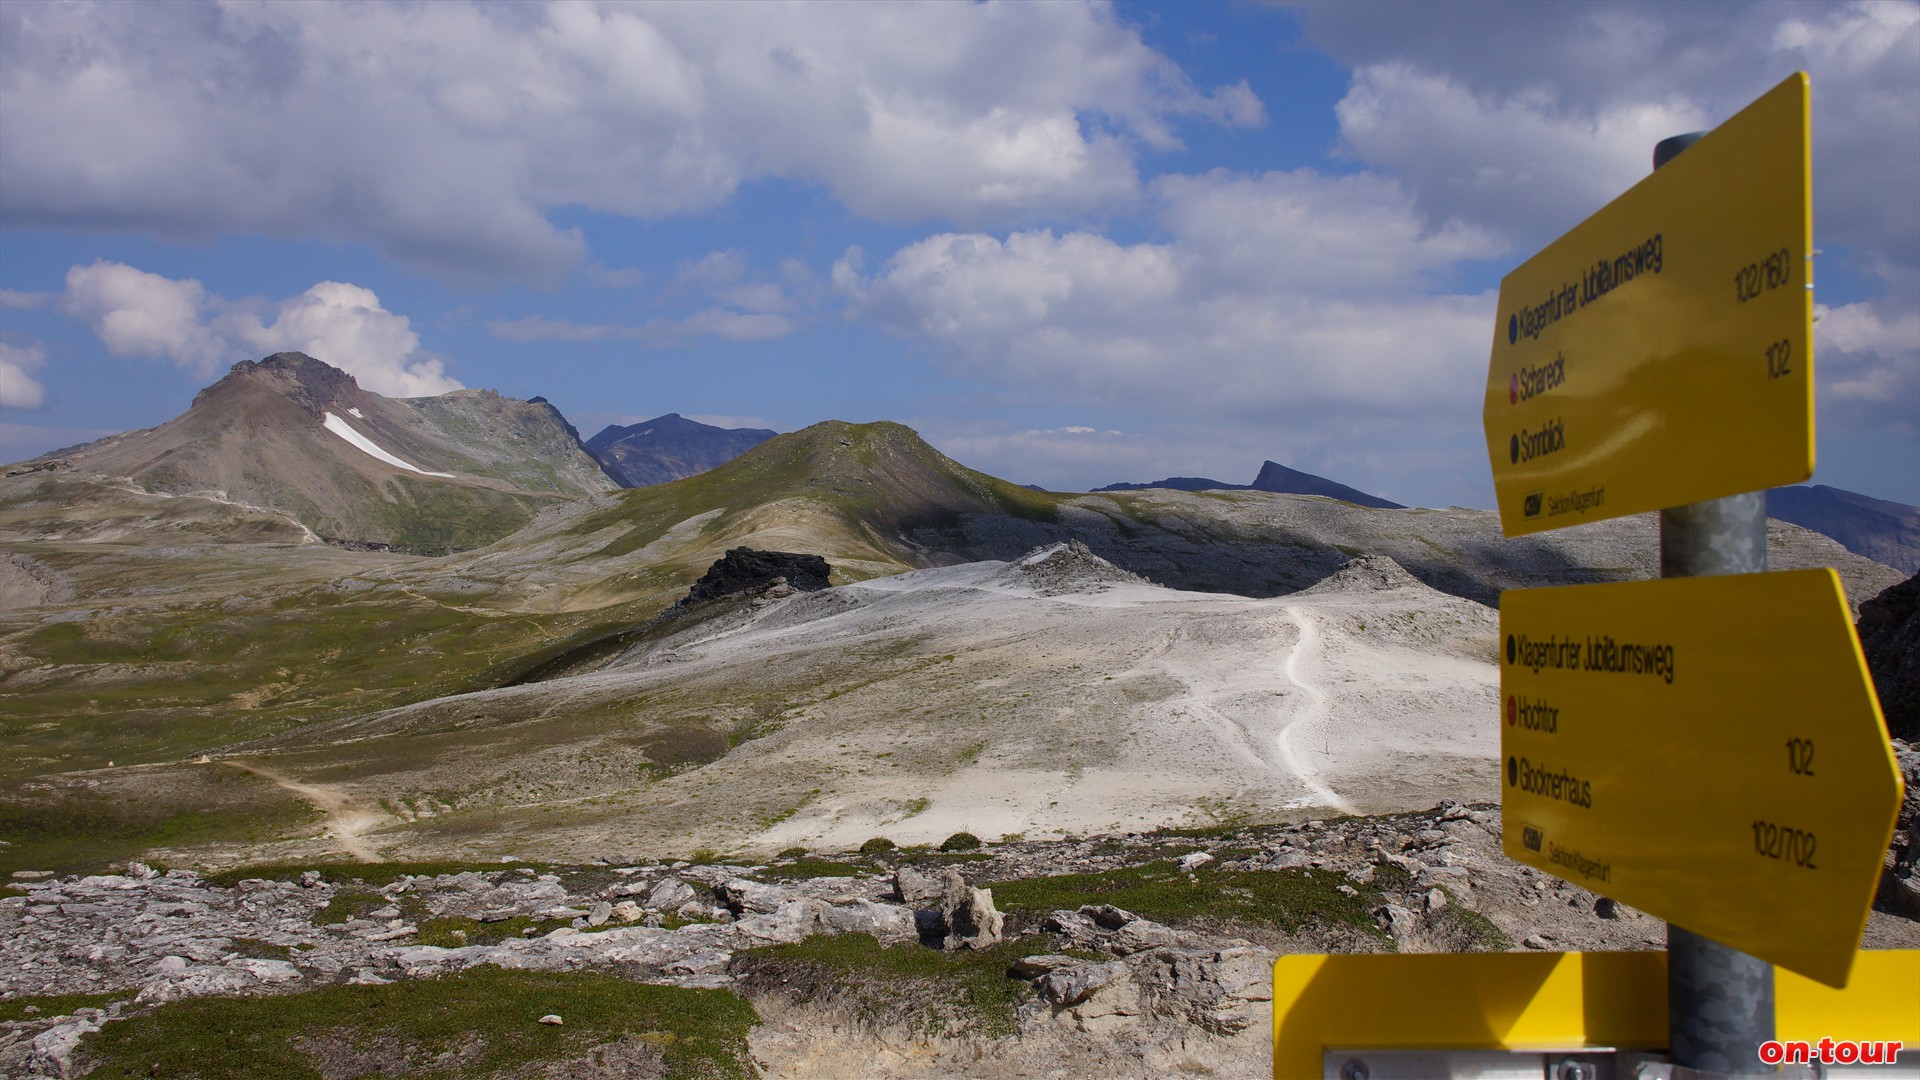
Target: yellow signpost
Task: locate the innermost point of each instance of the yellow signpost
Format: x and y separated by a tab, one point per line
1708	750
1545	1001
1660	353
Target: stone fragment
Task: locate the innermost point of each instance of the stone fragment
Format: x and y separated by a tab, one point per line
627	911
744	897
1436	901
1193	861
1071	986
601	912
670	894
1032	967
52	1054
553	1019
917	888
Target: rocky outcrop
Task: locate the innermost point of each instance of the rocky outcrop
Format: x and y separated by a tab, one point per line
1890	637
1071	567
743	570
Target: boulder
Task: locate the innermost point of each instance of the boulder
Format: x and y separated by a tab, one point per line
972	920
744	897
887	923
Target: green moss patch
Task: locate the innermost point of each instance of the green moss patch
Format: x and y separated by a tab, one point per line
1288	899
38	1008
911	985
482	1022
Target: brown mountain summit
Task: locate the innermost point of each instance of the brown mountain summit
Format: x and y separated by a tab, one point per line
297	435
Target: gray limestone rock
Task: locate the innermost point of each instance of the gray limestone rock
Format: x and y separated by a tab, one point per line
972	920
917	888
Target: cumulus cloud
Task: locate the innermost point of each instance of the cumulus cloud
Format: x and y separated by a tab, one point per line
19	390
1294	316
1276	296
1527	118
446	133
139	314
1868	366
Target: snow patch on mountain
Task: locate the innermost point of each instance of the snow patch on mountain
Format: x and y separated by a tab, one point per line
368	446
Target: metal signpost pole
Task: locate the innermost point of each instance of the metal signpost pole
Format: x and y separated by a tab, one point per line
1719	1000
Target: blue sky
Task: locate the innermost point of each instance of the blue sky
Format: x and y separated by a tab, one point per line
1070	243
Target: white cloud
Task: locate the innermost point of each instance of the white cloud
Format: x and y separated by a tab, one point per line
140	314
1526	118
19	390
445	133
1291	316
20	301
1518	164
1280	296
1868	367
136	313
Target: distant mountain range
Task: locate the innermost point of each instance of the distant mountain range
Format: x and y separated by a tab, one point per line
1886	532
668	448
1273	477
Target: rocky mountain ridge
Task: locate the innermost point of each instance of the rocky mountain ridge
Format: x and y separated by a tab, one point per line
668	448
1884	531
296	436
1273	477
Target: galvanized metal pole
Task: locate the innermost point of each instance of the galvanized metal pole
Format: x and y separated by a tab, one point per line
1719	999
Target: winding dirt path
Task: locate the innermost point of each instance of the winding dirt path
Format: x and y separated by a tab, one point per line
346	821
1312	711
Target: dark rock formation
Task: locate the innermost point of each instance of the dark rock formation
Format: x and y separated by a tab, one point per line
1178	483
1273	477
1890	637
746	570
1277	477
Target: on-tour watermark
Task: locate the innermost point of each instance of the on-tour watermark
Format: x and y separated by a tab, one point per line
1830	1052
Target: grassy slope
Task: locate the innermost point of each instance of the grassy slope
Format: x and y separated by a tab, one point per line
244	642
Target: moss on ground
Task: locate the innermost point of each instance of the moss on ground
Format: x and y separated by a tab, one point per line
481	1022
29	1007
912	985
83	830
1288	899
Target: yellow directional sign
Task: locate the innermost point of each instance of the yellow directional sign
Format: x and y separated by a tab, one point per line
1661	352
1708	750
1544	1001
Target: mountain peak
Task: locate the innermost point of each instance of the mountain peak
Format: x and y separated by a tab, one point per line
1278	478
667	448
314	385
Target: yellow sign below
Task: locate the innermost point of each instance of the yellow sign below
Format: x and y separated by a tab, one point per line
1708	750
1660	353
1546	1001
